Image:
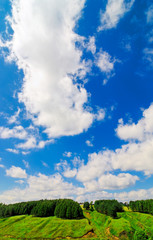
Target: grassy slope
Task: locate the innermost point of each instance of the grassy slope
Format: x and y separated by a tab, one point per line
34	227
122	228
104	227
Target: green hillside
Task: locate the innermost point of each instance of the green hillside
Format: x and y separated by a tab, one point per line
94	226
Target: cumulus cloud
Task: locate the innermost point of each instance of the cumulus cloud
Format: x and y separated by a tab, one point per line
32	143
115	10
16	172
91	46
139	131
100	114
105	62
140	194
16	132
50	187
133	156
70	173
77	162
47	54
110	182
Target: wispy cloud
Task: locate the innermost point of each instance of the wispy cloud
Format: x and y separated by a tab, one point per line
67	154
26	164
14	118
115	10
15	151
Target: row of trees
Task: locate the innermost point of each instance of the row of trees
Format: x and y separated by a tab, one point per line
108	207
63	208
143	206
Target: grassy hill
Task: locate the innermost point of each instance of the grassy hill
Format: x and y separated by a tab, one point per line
94	226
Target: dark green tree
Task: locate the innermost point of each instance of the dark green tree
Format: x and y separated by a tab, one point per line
86	205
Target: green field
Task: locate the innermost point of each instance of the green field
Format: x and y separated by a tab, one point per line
94	226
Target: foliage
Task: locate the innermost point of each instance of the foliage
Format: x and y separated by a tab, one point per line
108	207
140	235
143	206
86	205
63	208
67	208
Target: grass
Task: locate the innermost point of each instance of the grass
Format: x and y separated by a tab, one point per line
34	227
104	227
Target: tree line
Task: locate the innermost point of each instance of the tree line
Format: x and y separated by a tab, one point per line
143	206
62	208
108	207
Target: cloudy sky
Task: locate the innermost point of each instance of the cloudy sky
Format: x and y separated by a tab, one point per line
76	99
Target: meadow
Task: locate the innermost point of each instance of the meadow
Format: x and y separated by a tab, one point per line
94	225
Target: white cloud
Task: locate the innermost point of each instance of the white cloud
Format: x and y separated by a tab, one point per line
15	151
110	182
63	164
45	164
140	194
105	62
54	186
2	166
140	131
16	172
67	154
115	10
19	181
122	180
91	46
16	132
133	156
100	114
97	165
70	173
77	162
122	196
26	164
25	153
149	14
94	196
32	142
89	143
47	53
50	187
148	56
14	118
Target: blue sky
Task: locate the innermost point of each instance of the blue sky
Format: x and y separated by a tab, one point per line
76	109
